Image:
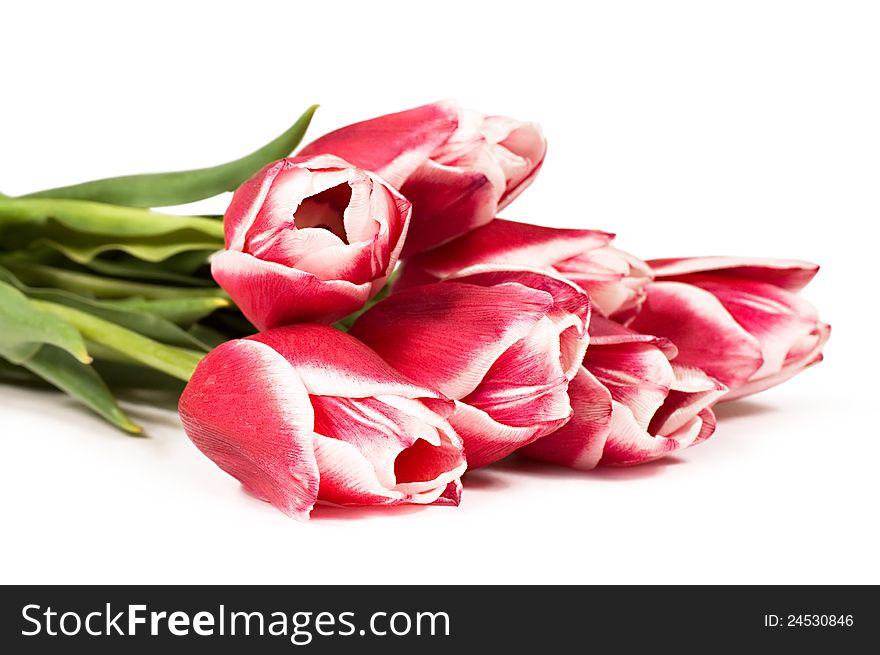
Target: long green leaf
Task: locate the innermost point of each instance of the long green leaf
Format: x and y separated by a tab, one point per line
102	287
181	187
25	327
177	362
80	381
127	266
155	249
132	317
90	217
181	311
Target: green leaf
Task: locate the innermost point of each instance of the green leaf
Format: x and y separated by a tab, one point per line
127	266
25	327
208	335
83	249
95	218
131	317
175	361
182	311
181	187
98	286
80	381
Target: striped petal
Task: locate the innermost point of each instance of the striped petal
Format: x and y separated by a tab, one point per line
248	411
506	242
448	335
333	363
271	294
392	146
789	274
706	335
580	442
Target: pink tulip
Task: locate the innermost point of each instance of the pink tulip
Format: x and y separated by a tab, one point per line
632	402
502	343
740	320
307	413
457	167
309	239
615	280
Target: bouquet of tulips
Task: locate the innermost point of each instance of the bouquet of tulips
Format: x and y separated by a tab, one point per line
360	329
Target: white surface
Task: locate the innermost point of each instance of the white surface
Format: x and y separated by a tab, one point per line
687	128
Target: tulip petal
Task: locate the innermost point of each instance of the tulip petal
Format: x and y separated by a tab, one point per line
789	274
571	306
485	439
614	279
691	393
508	242
347	477
448	201
777	318
411	449
706	335
630	444
393	146
580	442
271	294
447	335
526	386
634	368
248	411
806	353
246	203
526	142
332	363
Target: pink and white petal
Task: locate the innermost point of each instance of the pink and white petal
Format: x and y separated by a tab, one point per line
270	294
705	333
486	440
692	392
347	477
580	442
571	305
451	496
447	335
393	146
247	410
777	318
291	186
333	363
790	274
629	444
410	449
526	386
386	202
604	331
526	141
509	242
246	203
807	353
707	429
425	471
637	374
614	279
447	202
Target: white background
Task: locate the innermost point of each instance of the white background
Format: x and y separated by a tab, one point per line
687	128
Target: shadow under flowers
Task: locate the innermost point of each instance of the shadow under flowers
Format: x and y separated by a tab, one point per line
741	409
518	464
